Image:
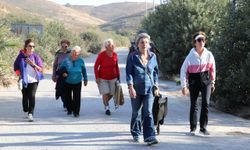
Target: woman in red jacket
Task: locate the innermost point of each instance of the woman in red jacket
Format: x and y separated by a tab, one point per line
107	73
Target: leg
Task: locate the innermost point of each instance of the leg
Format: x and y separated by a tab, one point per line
135	124
32	87
206	92
25	100
194	93
148	121
68	97
76	103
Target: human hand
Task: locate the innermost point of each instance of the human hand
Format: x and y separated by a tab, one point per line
132	92
65	75
212	88
97	80
54	78
85	82
184	91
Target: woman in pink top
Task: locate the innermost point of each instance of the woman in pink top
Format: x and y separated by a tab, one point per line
107	73
198	74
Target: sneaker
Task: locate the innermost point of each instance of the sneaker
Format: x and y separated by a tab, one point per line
30	117
204	132
65	109
69	113
136	139
152	142
26	115
108	112
76	115
191	133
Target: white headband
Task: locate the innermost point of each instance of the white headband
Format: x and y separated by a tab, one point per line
199	36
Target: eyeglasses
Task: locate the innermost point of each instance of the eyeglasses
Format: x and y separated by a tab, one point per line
31	46
65	46
200	39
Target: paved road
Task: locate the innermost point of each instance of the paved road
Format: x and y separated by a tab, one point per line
53	129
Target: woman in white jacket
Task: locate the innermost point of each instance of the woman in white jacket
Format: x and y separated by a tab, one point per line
198	74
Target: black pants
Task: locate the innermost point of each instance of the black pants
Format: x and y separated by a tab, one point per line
29	97
73	103
205	90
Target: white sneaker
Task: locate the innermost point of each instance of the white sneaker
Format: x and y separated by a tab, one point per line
30	117
191	133
25	115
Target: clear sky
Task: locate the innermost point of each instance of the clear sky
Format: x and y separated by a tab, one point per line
99	2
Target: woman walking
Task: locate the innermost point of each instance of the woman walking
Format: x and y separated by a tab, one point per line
28	66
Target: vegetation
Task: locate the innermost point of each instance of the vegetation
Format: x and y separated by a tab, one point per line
232	54
172	25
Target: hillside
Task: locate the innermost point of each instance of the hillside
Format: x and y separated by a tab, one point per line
113	11
47	10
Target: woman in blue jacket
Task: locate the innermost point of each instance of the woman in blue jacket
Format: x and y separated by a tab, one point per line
74	72
141	75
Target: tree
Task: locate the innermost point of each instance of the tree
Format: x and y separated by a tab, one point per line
171	27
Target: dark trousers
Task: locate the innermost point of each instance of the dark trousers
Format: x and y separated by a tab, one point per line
205	90
73	102
29	97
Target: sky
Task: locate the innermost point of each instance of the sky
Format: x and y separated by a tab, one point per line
99	2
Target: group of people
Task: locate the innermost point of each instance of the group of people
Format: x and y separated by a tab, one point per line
197	74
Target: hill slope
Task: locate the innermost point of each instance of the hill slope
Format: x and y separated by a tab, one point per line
72	18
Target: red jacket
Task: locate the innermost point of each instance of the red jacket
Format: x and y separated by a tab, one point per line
106	67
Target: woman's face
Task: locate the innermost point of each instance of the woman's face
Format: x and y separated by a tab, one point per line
30	48
110	46
143	44
74	55
64	46
200	43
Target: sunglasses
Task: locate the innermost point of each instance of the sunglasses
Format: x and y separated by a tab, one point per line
31	46
65	46
200	39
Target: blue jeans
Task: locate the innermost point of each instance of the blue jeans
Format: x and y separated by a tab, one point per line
144	103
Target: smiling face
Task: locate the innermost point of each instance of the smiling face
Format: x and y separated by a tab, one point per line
30	48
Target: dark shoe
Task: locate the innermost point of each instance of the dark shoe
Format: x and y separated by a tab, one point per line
108	112
69	113
204	132
152	142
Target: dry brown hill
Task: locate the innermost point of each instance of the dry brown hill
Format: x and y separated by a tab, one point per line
113	11
48	10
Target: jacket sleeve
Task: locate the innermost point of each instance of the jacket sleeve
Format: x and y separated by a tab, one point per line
129	69
184	73
212	69
96	66
155	72
84	71
17	66
55	66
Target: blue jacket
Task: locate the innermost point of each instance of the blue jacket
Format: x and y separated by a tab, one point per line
20	66
76	70
138	74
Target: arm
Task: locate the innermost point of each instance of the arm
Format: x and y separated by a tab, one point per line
16	65
213	73
96	68
183	75
129	76
55	66
155	72
84	73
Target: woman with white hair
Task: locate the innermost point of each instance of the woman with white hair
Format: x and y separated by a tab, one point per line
141	76
107	73
74	70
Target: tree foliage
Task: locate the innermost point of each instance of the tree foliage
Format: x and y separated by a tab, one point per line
232	53
171	27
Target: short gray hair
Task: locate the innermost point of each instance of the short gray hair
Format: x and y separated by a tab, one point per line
105	43
142	36
76	49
